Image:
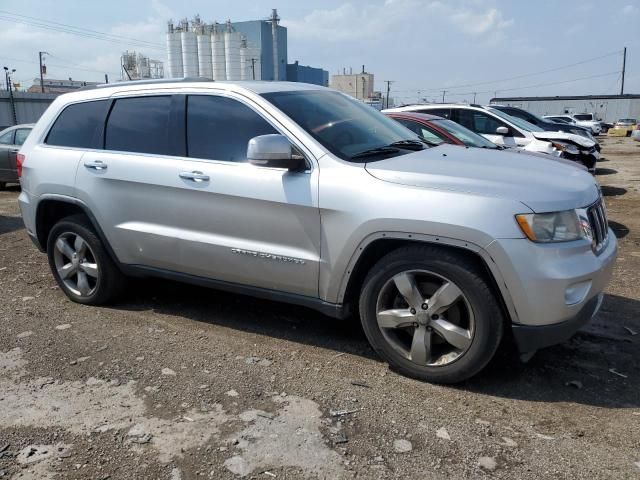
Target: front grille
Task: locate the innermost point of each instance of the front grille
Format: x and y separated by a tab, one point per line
599	226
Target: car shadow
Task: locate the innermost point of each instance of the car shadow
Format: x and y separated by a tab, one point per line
609	191
10	224
605	171
546	378
619	229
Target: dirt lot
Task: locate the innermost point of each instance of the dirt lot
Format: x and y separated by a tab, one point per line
179	382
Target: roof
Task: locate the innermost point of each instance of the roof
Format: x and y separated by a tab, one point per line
567	97
256	87
414	115
419	106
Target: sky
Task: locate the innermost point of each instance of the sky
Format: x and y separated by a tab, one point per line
503	47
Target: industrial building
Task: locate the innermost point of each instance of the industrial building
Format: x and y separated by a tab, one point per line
136	66
360	86
251	50
608	108
51	85
305	74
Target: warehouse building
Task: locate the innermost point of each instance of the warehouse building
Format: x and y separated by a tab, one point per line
608	108
304	74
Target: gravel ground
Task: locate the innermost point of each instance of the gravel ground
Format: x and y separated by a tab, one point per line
178	382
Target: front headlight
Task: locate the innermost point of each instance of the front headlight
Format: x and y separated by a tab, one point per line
555	227
566	147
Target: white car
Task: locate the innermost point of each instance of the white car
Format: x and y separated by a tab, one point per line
587	120
508	131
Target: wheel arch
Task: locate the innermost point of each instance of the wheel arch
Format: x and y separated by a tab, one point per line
53	208
377	245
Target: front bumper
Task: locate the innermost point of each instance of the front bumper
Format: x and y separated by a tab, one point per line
529	339
550	284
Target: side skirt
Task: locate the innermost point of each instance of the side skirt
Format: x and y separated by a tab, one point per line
334	310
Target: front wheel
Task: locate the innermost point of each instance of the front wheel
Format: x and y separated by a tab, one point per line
431	314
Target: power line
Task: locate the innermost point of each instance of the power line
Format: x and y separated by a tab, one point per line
59	66
516	77
85	32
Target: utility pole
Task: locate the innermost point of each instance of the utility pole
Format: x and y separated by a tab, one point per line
389	82
474	97
443	94
7	74
253	68
624	67
106	78
42	70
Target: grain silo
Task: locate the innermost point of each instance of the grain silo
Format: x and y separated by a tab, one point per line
189	50
232	42
205	64
174	52
217	49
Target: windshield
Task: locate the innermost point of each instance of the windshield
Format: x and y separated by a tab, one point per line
518	122
583	116
466	136
344	126
627	120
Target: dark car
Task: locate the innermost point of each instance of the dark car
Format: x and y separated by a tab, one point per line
437	130
11	139
546	124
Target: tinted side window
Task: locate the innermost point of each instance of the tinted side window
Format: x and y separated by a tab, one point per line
479	122
424	132
139	124
440	112
219	128
21	135
6	138
78	125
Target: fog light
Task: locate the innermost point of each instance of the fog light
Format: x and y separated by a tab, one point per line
577	292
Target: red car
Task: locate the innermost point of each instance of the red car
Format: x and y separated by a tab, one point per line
437	130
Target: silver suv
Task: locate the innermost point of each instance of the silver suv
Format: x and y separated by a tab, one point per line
301	194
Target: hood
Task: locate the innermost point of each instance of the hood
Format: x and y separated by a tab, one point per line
544	185
570	137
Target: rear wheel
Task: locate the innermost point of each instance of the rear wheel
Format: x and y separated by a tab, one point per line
430	314
80	263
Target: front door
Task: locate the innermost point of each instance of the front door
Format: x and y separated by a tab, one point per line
6	149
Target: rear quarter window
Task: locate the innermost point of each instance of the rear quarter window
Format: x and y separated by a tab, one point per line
79	125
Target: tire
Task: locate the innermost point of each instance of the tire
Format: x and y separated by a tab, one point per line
103	281
481	333
3	185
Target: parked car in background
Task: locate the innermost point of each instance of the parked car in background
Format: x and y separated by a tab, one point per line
587	120
441	250
437	130
11	139
547	124
624	127
509	131
636	133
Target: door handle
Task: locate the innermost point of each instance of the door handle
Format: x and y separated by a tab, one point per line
96	165
194	176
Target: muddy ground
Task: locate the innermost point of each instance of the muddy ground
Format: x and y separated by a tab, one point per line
178	382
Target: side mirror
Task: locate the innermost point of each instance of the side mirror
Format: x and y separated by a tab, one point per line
274	151
502	131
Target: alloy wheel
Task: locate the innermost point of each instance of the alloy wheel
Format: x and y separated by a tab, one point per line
425	317
76	264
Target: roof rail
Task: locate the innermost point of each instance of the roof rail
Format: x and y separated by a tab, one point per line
147	82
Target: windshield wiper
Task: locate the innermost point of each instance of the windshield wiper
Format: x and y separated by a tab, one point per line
409	144
375	151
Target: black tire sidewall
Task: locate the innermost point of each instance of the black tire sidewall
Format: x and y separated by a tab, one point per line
80	226
487	315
